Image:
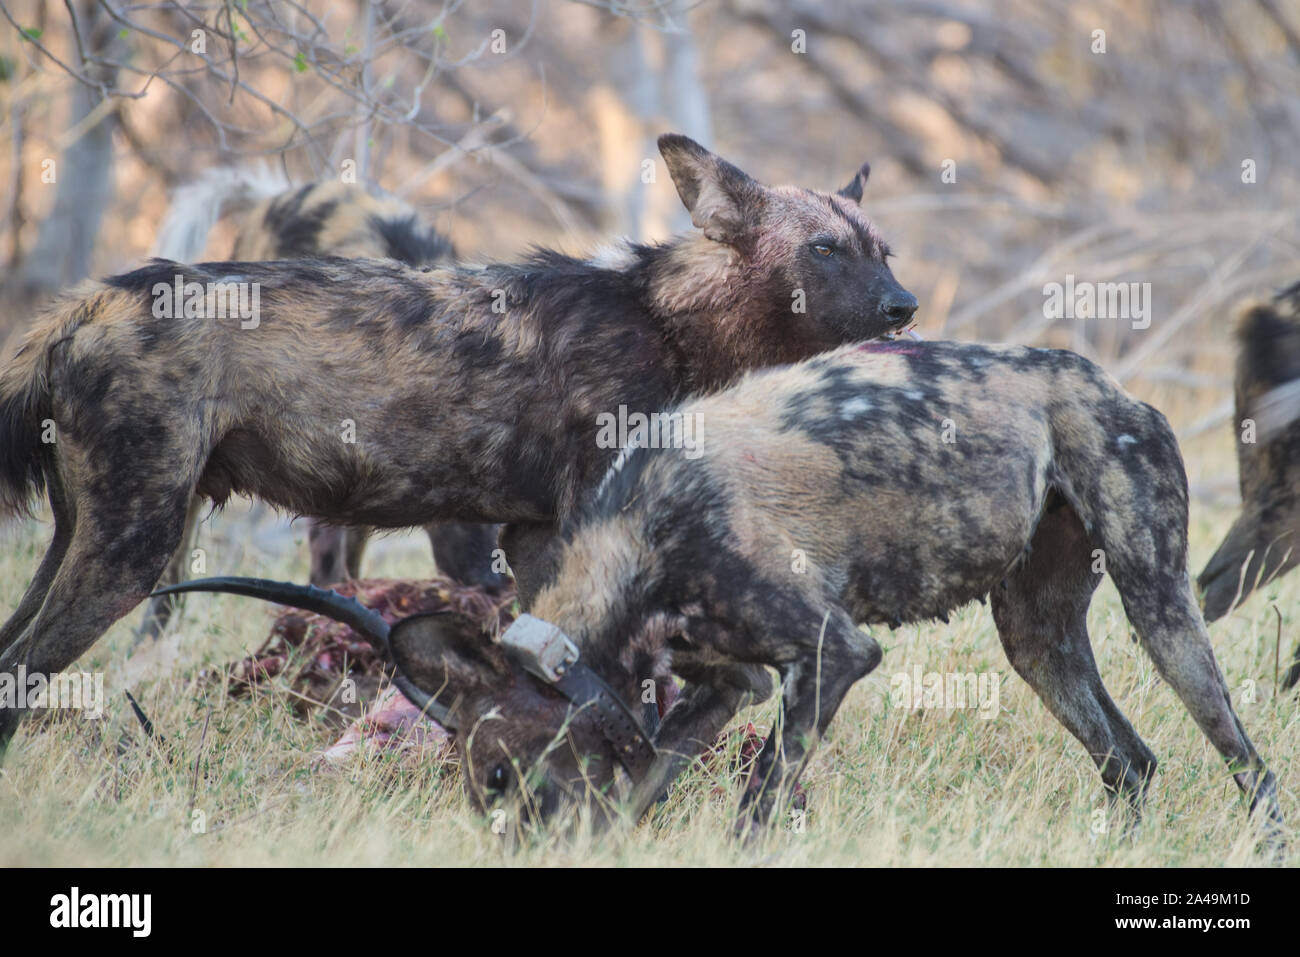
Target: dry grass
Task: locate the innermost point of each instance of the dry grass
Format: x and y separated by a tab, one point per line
890	786
1127	199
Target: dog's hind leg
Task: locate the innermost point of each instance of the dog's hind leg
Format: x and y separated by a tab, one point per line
160	609
1160	604
121	540
1041	609
64	519
1137	503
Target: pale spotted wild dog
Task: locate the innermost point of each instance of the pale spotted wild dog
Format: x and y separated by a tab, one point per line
916	477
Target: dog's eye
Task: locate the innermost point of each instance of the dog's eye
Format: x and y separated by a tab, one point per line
498	779
823	249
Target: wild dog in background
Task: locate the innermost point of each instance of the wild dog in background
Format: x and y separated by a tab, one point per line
364	392
280	221
884	483
328	218
1264	542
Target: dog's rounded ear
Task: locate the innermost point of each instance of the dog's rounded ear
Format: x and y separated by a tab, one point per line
722	199
856	185
444	654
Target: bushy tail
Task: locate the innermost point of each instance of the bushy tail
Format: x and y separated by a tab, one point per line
196	207
27	437
1254	552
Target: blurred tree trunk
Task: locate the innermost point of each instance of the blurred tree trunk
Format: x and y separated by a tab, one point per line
651	101
83	178
634	85
686	104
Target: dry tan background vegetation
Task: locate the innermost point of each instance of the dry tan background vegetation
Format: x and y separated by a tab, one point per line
1122	166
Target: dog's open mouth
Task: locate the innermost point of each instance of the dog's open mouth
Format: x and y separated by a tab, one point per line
908	333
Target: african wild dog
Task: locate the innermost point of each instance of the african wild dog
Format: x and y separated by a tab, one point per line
369	393
308	222
296	222
881	483
1264	542
338	219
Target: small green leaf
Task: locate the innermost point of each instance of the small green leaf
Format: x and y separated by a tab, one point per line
439	32
124	33
300	62
32	33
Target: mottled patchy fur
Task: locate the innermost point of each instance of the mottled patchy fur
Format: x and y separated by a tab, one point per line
473	391
1264	542
880	484
332	218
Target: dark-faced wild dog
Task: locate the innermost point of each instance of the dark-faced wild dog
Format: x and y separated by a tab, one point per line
883	483
329	218
363	392
1264	542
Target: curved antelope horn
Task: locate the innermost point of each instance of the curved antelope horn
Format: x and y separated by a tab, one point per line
331	604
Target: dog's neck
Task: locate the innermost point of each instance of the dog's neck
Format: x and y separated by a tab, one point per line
722	311
599	599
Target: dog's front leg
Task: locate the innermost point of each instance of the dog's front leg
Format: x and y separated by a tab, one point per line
813	685
712	696
532	549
